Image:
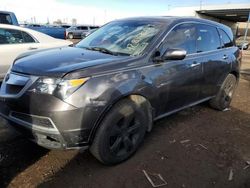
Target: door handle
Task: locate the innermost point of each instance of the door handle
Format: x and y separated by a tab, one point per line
194	64
225	57
32	48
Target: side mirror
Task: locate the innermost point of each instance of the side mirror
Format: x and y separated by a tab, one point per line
174	54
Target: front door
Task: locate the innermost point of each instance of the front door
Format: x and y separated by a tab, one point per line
181	80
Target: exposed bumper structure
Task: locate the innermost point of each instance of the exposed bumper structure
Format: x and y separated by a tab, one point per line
43	130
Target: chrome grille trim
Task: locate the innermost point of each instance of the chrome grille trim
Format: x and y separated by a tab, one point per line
18	80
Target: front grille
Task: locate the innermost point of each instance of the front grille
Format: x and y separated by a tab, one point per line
33	120
14	84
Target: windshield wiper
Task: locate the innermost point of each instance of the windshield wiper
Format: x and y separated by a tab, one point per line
106	51
101	49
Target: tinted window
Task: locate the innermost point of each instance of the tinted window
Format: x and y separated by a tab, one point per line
182	36
5	19
82	28
3	38
93	27
27	38
66	26
207	38
226	41
10	36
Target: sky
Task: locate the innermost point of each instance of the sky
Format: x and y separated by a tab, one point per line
96	12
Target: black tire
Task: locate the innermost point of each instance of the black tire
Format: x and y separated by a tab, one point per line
120	133
224	97
70	36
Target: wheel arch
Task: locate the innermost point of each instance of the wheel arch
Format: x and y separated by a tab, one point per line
139	99
236	74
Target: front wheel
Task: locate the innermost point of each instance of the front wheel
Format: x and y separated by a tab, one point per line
224	97
120	133
70	36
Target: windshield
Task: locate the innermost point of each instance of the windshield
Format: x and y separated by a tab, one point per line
123	37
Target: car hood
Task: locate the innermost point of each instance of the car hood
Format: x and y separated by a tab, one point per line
60	61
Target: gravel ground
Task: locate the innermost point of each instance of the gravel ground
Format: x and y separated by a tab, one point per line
197	147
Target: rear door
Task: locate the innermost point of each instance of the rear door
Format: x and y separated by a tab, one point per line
214	59
12	44
80	30
180	80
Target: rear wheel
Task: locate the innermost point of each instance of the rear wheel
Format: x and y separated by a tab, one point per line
225	94
120	133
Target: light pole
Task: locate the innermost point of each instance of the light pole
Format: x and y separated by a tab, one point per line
245	37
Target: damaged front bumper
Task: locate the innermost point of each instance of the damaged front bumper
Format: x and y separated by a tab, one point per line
42	130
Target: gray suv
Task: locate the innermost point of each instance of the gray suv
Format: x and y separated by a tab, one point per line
78	31
105	93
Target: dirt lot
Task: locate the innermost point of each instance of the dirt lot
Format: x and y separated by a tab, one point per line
197	147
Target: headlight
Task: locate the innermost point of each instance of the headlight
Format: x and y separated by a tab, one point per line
58	87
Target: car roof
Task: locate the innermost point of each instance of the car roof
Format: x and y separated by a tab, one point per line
6	12
172	20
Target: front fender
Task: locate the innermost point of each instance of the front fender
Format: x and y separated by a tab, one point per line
100	93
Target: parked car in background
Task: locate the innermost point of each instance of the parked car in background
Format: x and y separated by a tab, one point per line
51	30
16	40
105	93
88	33
78	31
8	18
243	44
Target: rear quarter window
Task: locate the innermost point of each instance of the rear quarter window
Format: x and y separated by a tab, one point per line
27	38
225	39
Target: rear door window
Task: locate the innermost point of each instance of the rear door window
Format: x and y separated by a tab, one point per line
207	38
183	37
226	41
